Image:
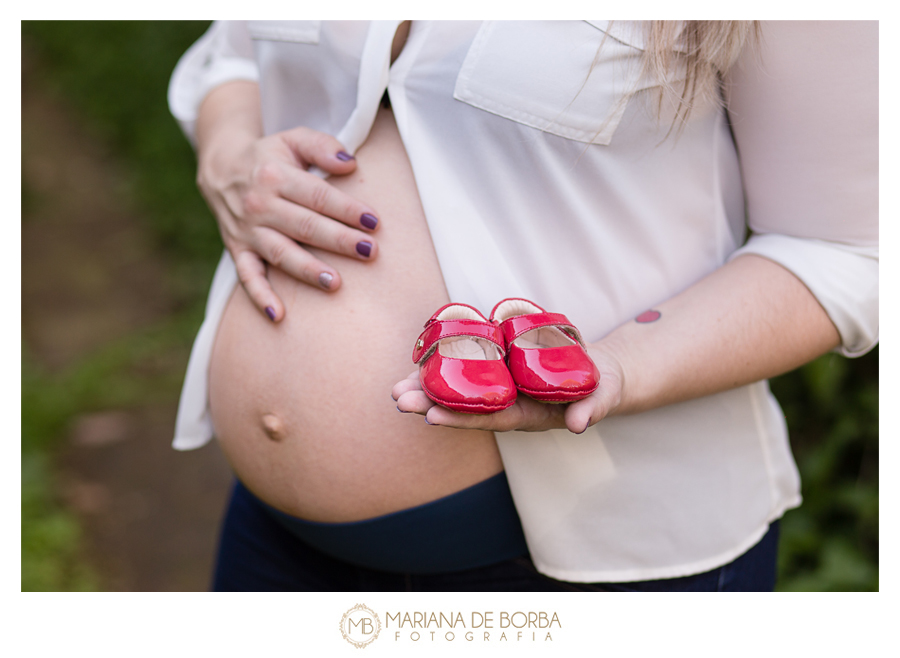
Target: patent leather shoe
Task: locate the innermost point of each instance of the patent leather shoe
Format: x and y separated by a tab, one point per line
461	361
545	352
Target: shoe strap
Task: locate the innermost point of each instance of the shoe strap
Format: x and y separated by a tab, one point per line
436	330
515	327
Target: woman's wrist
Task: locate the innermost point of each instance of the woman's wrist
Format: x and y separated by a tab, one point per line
221	156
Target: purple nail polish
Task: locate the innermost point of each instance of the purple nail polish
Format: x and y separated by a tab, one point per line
364	248
368	220
325	280
430	423
271	313
343	156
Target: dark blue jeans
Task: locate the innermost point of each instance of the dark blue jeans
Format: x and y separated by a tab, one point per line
256	553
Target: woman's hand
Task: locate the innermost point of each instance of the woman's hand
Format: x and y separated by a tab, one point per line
526	414
266	201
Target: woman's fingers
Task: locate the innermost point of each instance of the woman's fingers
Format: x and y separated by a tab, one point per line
525	414
594	408
280	251
411	383
314	148
251	271
310	191
409	396
580	415
584	413
414	402
308	227
304	207
285	254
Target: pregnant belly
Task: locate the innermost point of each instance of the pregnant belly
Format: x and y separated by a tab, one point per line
302	408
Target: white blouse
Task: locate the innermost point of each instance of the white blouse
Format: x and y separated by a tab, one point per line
544	173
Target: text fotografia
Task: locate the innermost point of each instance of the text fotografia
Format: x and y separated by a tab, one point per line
478	626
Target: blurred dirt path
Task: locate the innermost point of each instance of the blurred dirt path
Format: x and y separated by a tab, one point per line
90	275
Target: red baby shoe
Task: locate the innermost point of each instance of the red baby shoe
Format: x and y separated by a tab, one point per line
545	353
461	367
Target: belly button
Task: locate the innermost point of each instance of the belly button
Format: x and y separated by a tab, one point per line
273	427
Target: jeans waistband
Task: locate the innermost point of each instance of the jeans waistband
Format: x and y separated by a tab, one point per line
471	528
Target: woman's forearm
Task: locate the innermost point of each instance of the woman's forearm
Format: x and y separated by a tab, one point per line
229	117
749	320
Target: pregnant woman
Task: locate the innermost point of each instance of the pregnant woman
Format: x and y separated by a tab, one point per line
564	162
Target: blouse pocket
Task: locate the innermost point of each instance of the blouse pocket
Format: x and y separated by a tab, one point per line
568	78
292	31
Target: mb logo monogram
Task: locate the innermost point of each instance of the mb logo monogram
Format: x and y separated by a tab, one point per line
360	626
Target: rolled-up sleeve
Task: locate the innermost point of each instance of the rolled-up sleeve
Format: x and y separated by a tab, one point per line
224	53
804	111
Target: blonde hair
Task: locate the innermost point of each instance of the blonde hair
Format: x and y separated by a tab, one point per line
703	51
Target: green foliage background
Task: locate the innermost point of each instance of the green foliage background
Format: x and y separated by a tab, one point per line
114	75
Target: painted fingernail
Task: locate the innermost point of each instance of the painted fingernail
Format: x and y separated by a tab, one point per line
343	156
325	280
401	411
429	422
368	220
364	248
271	313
